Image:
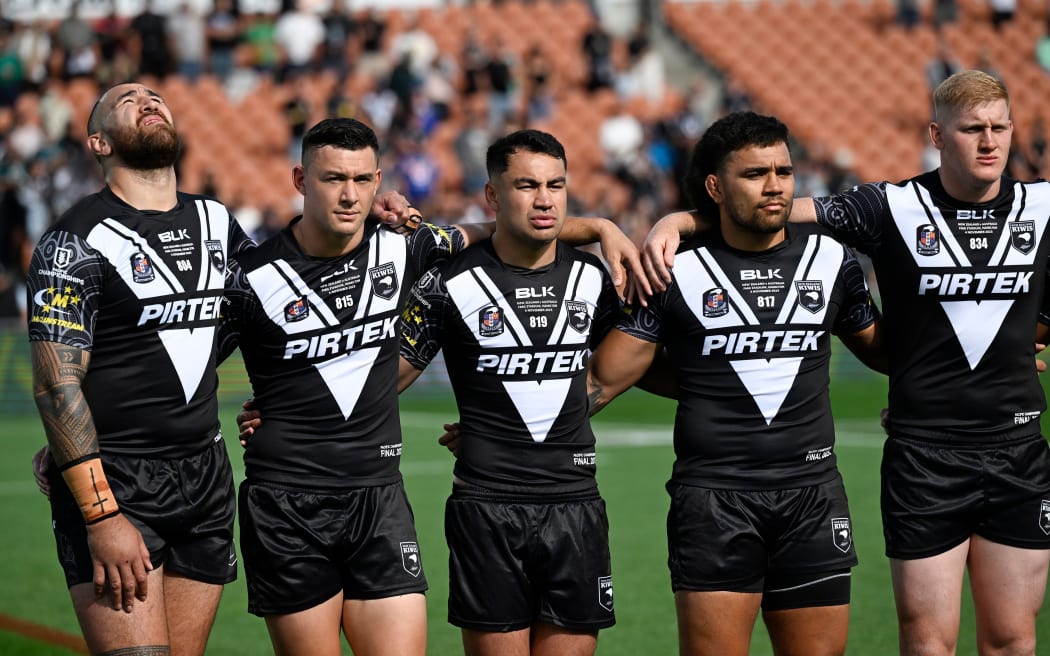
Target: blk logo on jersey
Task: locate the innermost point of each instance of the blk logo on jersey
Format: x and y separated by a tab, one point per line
927	240
1044	516
716	302
605	592
841	534
384	280
141	269
218	260
297	310
62	257
410	558
579	320
490	321
810	294
1022	236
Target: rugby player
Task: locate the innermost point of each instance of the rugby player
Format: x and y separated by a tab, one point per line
960	254
516	316
125	294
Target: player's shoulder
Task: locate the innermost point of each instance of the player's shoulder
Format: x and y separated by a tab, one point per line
275	247
85	214
573	254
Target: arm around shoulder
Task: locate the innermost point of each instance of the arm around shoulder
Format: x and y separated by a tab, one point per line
619	362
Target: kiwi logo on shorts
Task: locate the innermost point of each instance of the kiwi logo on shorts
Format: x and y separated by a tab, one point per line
1044	516
410	558
841	534
605	592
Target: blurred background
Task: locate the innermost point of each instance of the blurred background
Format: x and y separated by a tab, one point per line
626	85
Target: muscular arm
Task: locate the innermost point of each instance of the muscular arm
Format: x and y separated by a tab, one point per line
58	371
619	362
120	556
867	346
617	249
406	374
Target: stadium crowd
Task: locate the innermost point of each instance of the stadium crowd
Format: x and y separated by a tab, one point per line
489	87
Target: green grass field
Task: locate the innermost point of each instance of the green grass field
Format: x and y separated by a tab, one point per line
634	457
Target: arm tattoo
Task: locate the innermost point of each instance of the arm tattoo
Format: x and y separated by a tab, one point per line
594	396
58	371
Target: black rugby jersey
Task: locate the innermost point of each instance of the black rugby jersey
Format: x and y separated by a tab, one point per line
749	336
319	341
961	285
142	291
516	344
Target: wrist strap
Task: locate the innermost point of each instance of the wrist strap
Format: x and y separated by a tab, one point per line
90	489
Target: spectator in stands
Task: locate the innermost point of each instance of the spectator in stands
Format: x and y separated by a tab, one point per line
299	33
186	32
115	62
907	13
222	27
11	71
32	43
945	12
340	39
297	115
474	60
372	60
539	98
150	41
77	42
259	36
416	171
597	48
502	86
470	147
1002	12
417	44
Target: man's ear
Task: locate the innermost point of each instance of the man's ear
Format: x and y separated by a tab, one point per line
491	197
714	188
99	145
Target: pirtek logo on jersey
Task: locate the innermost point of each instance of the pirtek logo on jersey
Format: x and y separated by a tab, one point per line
956	284
547	362
194	309
342	341
764	341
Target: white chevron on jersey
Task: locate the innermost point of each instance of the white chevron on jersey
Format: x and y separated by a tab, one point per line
277	285
189	349
697	272
585	285
215	226
472	291
821	261
539	402
345	376
768	381
975	323
384	246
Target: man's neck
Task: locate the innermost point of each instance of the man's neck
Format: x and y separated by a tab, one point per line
981	193
523	256
743	240
317	244
144	190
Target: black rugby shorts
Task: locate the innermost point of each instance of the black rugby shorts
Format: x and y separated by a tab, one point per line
301	547
733	540
514	562
935	496
184	508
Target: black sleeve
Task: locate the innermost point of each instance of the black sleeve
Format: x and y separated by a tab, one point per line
857	311
64	290
607	312
422	323
856	216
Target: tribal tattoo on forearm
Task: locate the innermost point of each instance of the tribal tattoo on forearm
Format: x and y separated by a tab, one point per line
58	371
594	396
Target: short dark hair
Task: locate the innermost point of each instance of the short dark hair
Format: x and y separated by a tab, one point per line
497	159
725	136
344	133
